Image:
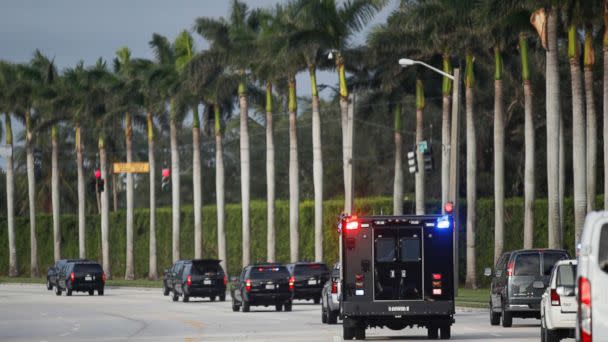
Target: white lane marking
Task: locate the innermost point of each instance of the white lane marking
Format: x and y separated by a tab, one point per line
495	335
338	338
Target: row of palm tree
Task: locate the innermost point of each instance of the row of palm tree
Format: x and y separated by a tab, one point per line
254	57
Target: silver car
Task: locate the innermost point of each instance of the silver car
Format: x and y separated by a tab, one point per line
330	297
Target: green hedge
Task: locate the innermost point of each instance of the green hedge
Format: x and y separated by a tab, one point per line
69	232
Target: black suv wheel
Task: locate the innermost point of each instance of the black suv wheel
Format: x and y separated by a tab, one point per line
57	291
246	306
507	318
494	317
165	291
288	306
235	307
48	285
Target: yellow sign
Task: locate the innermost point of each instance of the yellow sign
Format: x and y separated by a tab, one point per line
137	167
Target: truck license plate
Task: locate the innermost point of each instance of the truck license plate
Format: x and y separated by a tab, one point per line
88	278
207	282
270	287
312	282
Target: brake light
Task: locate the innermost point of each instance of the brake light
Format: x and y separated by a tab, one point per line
510	268
352	225
436	276
248	285
584	309
103	277
292	280
225	280
555	300
449	207
359	278
334	287
72	276
189	280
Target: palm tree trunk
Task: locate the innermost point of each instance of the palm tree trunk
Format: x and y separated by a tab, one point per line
245	174
220	191
344	121
605	104
294	184
31	191
152	268
130	265
398	179
317	166
81	196
471	276
270	179
529	181
499	159
55	194
579	159
420	175
13	269
553	122
105	210
591	121
175	194
445	131
197	184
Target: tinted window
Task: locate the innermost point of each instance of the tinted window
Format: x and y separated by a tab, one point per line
87	268
566	275
269	272
527	265
207	269
385	250
410	249
549	260
603	248
311	269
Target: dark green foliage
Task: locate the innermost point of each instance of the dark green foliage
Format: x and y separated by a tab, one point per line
332	208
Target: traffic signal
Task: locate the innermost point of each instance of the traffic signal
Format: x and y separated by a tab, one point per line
412	161
99	183
165	178
427	155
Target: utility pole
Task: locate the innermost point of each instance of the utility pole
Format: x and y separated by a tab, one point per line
349	186
453	191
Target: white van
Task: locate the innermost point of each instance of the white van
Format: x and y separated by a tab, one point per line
592	279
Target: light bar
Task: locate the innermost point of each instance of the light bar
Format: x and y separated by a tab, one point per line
443	222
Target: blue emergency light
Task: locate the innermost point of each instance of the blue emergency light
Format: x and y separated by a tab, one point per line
443	222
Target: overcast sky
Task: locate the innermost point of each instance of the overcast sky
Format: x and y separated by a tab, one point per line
74	30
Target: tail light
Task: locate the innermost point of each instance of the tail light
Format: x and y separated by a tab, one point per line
103	277
510	268
352	225
436	283
359	278
292	281
334	287
225	280
248	285
584	309
555	300
72	276
189	280
436	276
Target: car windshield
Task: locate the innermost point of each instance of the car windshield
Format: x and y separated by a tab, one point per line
205	268
527	265
310	269
566	275
269	272
87	268
549	260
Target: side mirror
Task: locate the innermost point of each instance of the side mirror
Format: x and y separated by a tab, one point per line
487	272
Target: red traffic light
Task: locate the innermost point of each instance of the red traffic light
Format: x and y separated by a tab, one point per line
449	207
97	173
166	172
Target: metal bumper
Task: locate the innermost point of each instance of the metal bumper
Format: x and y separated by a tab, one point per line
268	298
398	308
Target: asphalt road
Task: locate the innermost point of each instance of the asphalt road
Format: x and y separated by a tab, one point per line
31	313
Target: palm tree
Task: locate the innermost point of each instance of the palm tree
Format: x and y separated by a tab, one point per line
7	82
235	40
419	137
579	154
605	102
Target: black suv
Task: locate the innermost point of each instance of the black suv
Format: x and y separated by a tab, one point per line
53	272
80	276
263	284
195	278
309	278
518	283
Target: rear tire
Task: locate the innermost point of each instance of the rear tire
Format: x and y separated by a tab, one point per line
68	292
175	297
223	298
186	299
507	319
235	308
323	315
91	292
360	333
332	317
246	306
278	307
49	286
445	332
288	306
494	317
432	333
57	291
551	335
317	300
212	298
100	292
165	291
348	333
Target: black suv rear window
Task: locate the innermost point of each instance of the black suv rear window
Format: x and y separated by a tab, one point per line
87	268
205	268
527	265
268	272
549	260
310	269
